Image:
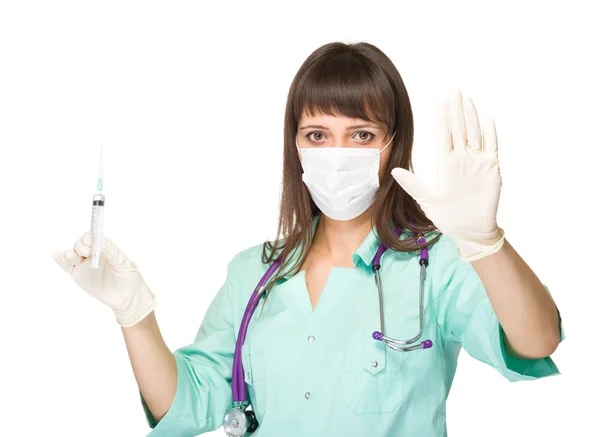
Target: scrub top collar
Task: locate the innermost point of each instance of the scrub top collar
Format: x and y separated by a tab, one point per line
367	250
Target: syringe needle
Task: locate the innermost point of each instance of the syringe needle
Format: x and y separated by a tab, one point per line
101	168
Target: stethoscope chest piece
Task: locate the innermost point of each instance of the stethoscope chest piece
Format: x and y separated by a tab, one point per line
238	422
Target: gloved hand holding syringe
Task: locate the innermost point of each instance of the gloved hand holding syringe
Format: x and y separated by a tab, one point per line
98	217
110	276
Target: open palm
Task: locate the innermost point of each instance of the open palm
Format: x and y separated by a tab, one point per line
463	201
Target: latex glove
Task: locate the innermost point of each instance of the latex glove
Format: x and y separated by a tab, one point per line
463	202
116	283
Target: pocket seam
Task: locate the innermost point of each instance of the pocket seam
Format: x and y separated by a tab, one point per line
375	384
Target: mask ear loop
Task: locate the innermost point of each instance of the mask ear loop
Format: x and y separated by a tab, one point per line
386	146
298	148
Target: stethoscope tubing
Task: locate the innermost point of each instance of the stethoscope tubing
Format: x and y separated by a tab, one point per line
238	383
390	342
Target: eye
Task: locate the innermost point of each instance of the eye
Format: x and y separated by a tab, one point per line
315	136
365	136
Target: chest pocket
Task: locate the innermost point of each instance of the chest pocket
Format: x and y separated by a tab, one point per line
372	376
254	376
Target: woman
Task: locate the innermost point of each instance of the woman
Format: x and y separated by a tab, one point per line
310	361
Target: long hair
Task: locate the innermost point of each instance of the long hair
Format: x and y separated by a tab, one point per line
357	81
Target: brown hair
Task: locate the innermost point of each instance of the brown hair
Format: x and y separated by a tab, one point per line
358	81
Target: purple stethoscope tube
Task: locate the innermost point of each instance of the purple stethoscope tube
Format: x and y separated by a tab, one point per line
238	383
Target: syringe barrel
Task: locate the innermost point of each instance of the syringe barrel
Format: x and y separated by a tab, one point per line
97	228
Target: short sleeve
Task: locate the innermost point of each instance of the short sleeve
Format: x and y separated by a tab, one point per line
204	375
466	316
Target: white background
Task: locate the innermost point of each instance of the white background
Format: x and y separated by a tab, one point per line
188	99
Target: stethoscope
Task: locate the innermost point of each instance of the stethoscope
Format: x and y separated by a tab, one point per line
238	421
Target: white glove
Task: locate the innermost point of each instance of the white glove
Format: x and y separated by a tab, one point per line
117	283
464	200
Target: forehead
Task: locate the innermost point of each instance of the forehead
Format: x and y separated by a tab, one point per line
336	120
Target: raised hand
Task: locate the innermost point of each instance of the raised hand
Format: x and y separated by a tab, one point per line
463	202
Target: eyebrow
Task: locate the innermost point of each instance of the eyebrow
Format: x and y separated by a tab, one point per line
356	126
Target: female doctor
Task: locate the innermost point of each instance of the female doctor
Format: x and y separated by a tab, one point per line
351	322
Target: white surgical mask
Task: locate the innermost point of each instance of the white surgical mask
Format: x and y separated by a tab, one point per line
341	181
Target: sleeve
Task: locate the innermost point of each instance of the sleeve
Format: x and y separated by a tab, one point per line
203	375
465	316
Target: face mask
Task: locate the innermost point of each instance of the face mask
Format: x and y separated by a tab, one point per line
341	181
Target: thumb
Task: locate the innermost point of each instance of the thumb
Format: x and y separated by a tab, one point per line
416	188
115	256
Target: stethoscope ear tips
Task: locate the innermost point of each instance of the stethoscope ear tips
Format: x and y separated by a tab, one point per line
380	337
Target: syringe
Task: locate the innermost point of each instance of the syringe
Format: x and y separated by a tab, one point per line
98	217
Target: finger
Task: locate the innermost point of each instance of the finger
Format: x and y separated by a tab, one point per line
116	257
472	125
443	134
59	257
490	140
416	188
457	122
73	258
111	251
87	238
82	249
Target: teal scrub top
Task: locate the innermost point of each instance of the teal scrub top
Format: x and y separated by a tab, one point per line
320	372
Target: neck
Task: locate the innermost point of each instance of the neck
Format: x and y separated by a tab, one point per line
338	240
